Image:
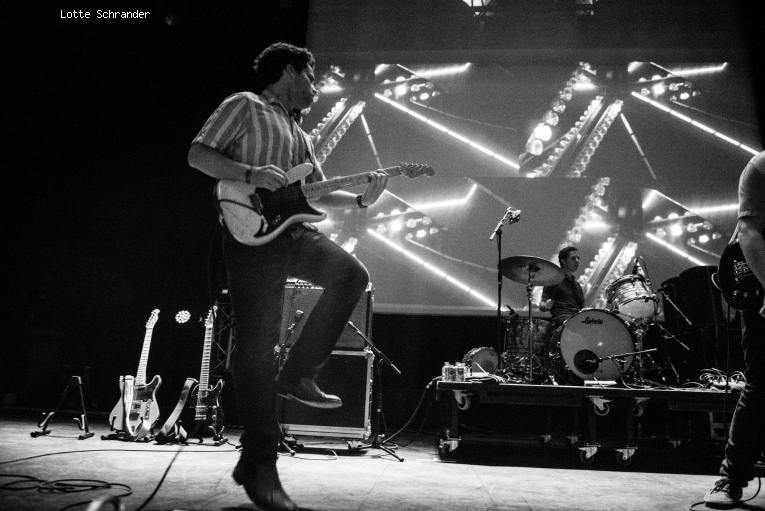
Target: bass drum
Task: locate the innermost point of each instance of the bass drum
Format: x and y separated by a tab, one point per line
589	334
481	360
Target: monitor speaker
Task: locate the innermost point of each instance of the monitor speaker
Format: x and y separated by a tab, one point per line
303	296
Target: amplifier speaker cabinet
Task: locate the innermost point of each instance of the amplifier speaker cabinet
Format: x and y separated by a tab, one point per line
302	296
347	374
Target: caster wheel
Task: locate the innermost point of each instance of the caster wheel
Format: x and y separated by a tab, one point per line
602	412
623	460
585	459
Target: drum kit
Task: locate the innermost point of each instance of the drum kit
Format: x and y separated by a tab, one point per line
594	345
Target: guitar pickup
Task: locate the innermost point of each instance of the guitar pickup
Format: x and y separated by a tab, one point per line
257	205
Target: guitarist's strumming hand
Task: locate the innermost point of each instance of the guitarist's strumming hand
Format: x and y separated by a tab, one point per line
376	187
269	177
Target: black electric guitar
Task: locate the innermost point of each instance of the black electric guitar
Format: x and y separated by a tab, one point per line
137	416
255	216
736	281
201	415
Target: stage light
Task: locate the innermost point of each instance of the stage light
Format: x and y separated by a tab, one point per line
550	118
543	132
350	245
699	70
182	316
443	129
726	138
400	91
716	209
676	230
703	238
674	249
421	233
684	95
440	273
534	147
443	203
658	89
442	71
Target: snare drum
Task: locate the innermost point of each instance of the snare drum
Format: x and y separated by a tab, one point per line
588	334
481	360
631	298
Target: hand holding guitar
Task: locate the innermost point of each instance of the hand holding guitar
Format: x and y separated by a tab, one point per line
269	177
376	187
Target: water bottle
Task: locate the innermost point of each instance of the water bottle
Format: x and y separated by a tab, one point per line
451	373
460	372
445	372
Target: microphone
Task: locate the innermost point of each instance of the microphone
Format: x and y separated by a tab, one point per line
635	267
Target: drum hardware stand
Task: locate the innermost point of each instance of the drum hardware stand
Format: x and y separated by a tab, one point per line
512	215
669	300
82	420
378	440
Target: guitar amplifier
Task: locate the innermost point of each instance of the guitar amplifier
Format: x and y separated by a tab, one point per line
299	295
347	374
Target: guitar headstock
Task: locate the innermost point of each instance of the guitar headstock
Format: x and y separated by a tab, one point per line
210	317
412	170
152	319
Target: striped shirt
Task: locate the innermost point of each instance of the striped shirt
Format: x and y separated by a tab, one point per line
257	130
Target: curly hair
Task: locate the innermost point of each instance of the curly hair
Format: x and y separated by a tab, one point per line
272	61
564	253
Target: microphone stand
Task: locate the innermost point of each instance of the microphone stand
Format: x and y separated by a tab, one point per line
287	443
514	216
380	360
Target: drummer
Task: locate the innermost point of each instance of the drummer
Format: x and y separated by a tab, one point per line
566	298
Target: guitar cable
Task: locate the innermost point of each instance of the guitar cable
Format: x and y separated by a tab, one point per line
74	485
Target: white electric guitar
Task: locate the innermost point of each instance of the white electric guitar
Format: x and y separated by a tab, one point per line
255	216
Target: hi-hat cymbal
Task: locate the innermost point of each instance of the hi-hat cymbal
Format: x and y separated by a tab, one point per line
520	268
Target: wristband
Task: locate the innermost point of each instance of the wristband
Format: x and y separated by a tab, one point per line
358	201
248	175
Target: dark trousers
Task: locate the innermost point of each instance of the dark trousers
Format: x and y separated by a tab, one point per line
747	429
256	277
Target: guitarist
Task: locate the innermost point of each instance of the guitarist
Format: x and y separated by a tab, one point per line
254	137
747	430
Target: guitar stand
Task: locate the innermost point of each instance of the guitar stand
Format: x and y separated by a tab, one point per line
82	420
143	432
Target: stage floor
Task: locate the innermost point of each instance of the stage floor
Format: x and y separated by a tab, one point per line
198	477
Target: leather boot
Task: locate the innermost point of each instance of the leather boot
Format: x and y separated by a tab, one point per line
261	482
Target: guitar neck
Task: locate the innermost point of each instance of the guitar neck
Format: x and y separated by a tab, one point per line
205	372
140	378
321	188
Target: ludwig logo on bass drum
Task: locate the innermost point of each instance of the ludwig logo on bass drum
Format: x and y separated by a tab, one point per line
592	321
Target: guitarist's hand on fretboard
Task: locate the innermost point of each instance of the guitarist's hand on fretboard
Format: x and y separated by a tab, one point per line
376	187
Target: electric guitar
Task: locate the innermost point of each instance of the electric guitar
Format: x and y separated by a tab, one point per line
736	281
198	413
137	410
254	216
